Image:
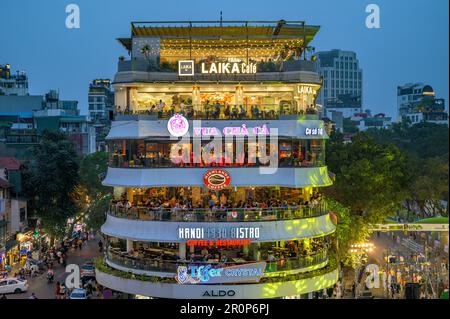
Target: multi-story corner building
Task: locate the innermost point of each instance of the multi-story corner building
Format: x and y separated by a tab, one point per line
12	84
342	76
13	209
101	107
100	99
217	160
417	103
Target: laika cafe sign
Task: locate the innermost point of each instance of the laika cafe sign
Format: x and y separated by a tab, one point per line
228	68
216	179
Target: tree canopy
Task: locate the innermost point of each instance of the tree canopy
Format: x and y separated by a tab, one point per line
371	178
92	171
50	180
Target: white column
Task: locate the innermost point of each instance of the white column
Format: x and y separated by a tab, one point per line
129	245
182	250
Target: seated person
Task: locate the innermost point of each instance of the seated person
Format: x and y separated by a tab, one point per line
234	112
204	252
224	258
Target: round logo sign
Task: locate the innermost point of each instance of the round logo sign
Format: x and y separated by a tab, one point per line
107	294
216	179
178	125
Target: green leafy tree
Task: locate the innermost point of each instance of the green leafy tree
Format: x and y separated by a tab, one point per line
350	229
371	178
96	213
50	181
92	170
426	147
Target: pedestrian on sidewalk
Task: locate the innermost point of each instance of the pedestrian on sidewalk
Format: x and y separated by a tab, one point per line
354	290
57	290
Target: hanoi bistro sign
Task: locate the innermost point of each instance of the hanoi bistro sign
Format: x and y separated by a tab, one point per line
218	232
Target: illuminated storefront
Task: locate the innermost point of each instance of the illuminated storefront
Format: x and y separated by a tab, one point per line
217	158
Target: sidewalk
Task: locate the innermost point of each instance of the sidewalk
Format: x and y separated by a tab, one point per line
44	290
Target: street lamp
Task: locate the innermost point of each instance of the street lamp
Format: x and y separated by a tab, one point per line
359	250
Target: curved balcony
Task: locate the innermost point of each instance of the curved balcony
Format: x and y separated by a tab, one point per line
220	112
293	285
225	215
168	231
248	177
168	268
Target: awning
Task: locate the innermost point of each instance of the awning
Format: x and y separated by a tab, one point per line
240	177
11	244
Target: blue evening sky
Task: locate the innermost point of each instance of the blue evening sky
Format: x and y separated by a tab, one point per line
410	46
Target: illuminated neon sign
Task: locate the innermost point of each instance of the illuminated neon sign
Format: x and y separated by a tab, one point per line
304	89
218	233
314	131
242	130
228	68
210	274
218	242
178	125
186	68
216	179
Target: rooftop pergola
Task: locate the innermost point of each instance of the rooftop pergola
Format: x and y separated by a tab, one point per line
256	39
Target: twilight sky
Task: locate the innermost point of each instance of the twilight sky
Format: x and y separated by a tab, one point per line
411	45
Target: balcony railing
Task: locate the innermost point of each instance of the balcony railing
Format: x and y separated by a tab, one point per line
170	266
143	65
139	70
225	215
222	112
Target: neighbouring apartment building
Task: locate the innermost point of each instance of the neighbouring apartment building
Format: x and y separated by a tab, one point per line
101	106
12	84
24	118
13	206
417	102
341	75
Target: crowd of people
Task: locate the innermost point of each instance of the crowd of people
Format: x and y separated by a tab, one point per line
49	259
215	204
216	110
